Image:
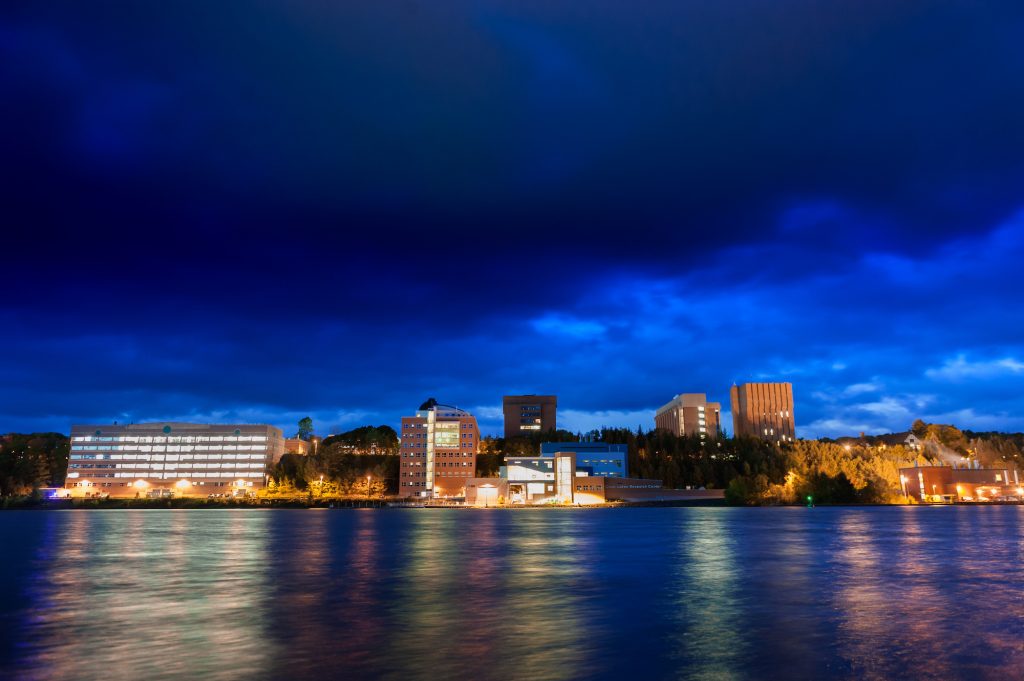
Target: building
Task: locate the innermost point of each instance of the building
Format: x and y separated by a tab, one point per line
539	479
593	458
438	452
558	479
528	414
906	439
763	410
692	415
171	459
294	445
937	484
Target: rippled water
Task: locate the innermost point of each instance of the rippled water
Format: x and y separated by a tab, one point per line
681	593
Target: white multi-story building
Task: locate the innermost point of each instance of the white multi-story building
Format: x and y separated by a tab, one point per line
158	459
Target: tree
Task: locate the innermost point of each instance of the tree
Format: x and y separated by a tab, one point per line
366	440
305	429
28	461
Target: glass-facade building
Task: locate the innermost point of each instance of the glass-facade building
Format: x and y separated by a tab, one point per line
538	479
593	458
159	459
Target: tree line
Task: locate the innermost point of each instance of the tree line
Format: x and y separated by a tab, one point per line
359	462
29	461
754	471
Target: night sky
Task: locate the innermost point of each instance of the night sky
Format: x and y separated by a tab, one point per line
252	212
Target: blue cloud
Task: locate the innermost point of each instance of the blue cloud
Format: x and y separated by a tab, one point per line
349	209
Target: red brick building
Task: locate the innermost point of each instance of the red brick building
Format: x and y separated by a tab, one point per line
763	410
438	452
527	414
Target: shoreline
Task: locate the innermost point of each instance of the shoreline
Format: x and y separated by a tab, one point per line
379	504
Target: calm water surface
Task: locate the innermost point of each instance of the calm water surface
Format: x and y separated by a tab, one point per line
670	593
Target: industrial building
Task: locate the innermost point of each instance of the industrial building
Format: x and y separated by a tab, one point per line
972	483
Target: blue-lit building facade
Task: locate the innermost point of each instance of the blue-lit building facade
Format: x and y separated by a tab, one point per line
599	459
557	478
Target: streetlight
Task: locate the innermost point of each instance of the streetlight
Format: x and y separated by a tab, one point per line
320	488
368	486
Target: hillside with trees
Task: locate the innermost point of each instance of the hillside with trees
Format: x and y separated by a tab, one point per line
30	461
363	461
332	472
751	471
493	450
987	448
381	440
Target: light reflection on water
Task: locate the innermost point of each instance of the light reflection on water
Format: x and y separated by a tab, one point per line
860	597
715	593
149	593
710	624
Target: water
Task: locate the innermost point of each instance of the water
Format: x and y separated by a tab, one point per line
647	593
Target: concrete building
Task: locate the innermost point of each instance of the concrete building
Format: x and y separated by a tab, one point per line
692	415
438	452
763	410
937	484
528	414
294	445
594	458
171	459
537	479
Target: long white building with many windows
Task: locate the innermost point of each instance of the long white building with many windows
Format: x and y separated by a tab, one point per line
162	459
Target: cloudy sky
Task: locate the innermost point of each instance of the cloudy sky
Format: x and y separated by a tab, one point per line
258	211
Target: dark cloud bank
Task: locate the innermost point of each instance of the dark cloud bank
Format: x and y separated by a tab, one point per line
261	211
